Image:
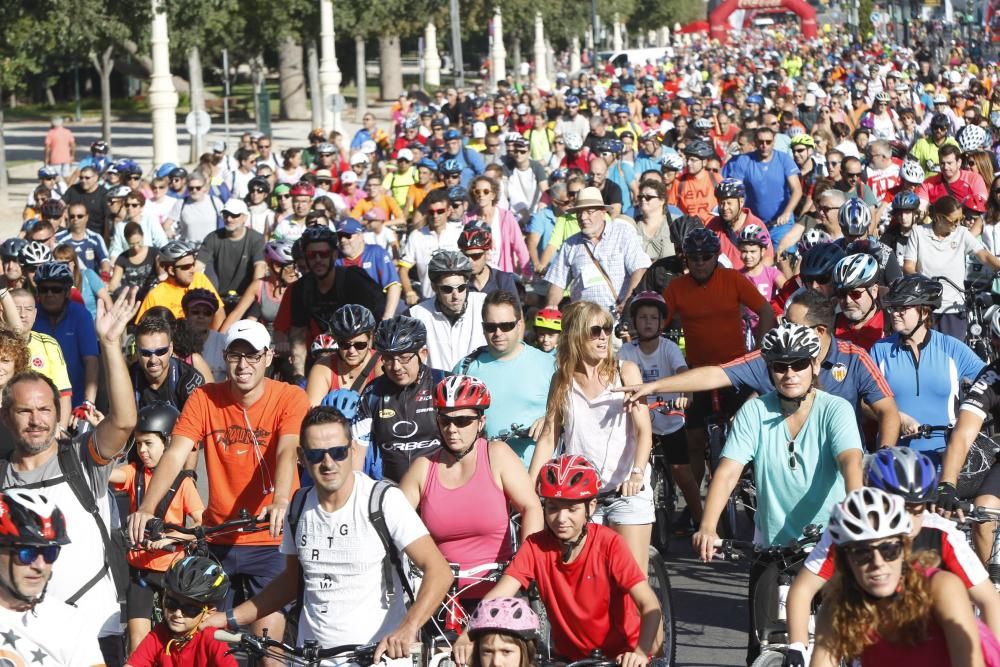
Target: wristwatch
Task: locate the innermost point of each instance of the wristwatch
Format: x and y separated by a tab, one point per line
231	620
636	470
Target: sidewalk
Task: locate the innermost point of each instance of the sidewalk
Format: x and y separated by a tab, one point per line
24	143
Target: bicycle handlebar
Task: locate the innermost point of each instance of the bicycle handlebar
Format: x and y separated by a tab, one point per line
155	528
925	431
751	551
363	653
979	514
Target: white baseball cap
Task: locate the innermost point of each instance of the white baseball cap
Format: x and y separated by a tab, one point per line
359	158
236	206
252	332
348	177
404	154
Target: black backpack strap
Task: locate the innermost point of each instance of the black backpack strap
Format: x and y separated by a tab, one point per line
161	508
295	508
471	357
376	514
76	478
360	380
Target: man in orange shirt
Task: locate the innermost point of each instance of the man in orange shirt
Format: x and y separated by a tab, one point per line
709	300
694	190
248	427
60	147
377	198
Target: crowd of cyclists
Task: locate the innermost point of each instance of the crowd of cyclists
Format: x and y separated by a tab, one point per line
461	336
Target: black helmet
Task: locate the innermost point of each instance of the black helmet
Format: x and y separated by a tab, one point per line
940	120
318	234
159	418
701	241
30	518
54	272
446	262
11	248
400	334
351	320
914	289
699	149
820	260
175	250
197	578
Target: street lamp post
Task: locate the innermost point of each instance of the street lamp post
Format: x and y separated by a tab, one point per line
329	73
162	94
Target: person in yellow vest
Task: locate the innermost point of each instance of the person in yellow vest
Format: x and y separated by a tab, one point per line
398	183
178	260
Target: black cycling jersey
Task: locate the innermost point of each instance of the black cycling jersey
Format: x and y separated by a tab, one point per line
983	397
182	379
398	423
888	265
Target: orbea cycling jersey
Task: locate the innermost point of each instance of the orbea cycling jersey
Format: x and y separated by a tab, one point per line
927	390
397	424
936	533
983	398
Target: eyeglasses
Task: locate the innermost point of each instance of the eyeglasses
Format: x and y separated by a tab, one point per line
597	329
833	163
319	254
519	151
493	327
496	145
284	196
260	145
792	463
890	551
28	555
700	257
51	289
438	211
482	193
230	214
852	174
475	256
184	267
156	352
765	142
454	176
315	456
398	359
357	345
77	217
800	150
252	359
133	204
781	367
258	190
713	170
648	197
819	280
853	294
448	289
45	240
462	421
189	609
916	509
196	188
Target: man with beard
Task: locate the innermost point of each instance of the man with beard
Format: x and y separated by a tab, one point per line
31	411
178	260
158	376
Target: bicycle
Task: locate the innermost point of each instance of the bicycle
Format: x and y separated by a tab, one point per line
664	491
980	514
309	654
976	303
982	455
745	493
782	563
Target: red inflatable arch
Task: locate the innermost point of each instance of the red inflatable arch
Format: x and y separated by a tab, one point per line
719	19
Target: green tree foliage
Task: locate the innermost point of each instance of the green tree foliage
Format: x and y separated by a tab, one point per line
653	14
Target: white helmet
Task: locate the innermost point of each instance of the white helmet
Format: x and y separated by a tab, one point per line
869	514
672	162
855	217
814	236
860	270
573	141
972	138
911	172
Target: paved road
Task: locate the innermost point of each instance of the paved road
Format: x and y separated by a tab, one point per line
711	608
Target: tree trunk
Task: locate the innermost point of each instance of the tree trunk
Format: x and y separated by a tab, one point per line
390	66
361	78
104	65
197	98
315	94
517	59
49	97
140	66
292	81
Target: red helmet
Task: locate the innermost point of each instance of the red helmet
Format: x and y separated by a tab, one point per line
303	188
461	391
29	518
570	477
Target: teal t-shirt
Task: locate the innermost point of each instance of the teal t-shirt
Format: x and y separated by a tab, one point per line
789	500
519	388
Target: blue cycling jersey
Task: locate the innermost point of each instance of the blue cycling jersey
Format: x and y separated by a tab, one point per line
927	389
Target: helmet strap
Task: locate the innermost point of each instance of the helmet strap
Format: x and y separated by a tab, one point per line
568	546
791	405
182	642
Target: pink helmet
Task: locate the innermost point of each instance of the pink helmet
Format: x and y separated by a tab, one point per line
510	616
753	234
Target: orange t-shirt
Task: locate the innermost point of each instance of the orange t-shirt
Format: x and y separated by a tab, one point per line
185	503
711	314
385	202
695	195
242	465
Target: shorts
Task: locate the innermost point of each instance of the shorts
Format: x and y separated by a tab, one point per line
250	568
701	406
673	446
142	586
991	484
628	510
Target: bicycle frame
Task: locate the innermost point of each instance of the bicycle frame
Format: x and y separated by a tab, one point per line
985	515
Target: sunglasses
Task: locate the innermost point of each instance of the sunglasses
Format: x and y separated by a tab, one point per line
258	190
482	193
890	551
45	240
648	197
133	205
157	352
819	280
196	188
437	211
493	327
781	367
184	267
916	509
463	421
315	456
448	289
28	555
853	294
77	217
700	257
791	454
189	609
319	254
52	290
852	174
597	329
357	345
284	196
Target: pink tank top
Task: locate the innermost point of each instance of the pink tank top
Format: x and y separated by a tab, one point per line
933	652
470	524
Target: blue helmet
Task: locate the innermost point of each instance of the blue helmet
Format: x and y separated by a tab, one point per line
903	472
701	240
905	201
730	188
344	401
165	169
451	166
820	260
854	271
755	99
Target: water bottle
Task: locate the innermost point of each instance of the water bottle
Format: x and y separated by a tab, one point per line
784	583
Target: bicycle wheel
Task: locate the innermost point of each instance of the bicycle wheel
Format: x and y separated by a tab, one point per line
544	629
663	505
659	580
769	658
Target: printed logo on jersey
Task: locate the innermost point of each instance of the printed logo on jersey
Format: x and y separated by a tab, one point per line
839	372
386	413
236	436
404	429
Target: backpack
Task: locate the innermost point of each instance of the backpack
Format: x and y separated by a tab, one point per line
376	515
114	548
463	368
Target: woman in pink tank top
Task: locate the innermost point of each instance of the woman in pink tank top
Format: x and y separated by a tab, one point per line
888	607
465	491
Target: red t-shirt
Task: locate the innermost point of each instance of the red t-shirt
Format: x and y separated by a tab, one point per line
202	651
605	616
873	330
